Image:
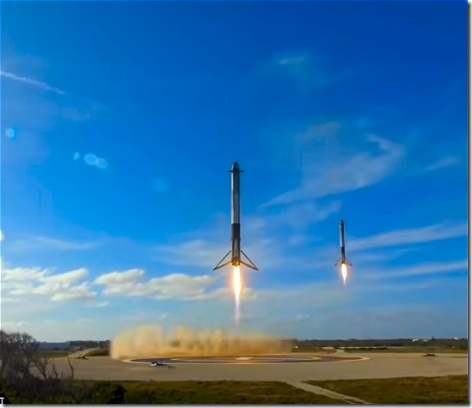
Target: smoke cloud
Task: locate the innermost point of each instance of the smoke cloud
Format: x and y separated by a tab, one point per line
153	341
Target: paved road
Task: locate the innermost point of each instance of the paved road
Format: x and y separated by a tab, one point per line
81	353
275	359
327	393
379	365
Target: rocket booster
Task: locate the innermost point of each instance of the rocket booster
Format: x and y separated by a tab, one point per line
342	240
342	245
236	250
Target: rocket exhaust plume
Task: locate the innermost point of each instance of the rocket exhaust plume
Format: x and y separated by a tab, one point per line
237	286
343	260
153	341
344	272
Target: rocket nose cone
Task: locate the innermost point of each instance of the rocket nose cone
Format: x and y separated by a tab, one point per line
235	166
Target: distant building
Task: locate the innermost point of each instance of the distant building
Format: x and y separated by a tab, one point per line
54	346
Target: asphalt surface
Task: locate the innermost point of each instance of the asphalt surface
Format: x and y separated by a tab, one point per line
275	359
377	365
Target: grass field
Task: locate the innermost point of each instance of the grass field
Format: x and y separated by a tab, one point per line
314	350
183	392
220	392
98	352
410	350
415	390
53	354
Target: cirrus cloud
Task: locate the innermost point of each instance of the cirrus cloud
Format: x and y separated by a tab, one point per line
409	236
444	162
355	172
34	82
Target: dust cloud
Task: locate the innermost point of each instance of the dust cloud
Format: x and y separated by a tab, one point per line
153	341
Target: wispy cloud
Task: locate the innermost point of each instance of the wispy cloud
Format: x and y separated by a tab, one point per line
5	300
346	174
293	61
206	254
297	239
321	293
14	326
323	132
145	315
429	233
421	269
53	244
92	160
196	252
98	304
306	70
29	81
299	216
262	242
445	162
85	110
384	255
297	302
400	320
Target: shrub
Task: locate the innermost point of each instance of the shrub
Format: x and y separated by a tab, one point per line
107	393
98	352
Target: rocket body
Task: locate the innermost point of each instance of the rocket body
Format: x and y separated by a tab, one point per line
236	251
342	244
342	241
235	216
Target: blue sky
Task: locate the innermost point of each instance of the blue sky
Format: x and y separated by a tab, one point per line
120	121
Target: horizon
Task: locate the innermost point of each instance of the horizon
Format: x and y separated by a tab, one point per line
432	338
118	133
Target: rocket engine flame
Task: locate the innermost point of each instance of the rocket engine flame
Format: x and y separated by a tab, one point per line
344	272
237	285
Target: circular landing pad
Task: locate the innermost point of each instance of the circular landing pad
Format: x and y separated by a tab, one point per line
242	359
